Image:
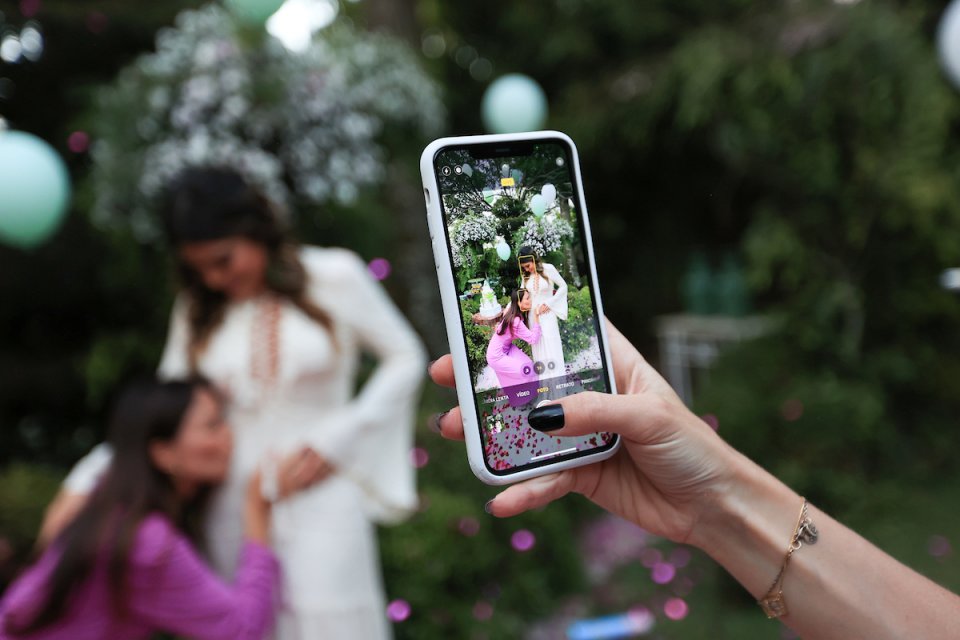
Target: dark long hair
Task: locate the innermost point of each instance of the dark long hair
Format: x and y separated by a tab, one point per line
132	488
212	203
513	311
522	257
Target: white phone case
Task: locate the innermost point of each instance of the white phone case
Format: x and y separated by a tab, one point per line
451	306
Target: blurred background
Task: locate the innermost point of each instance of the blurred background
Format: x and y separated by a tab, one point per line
773	190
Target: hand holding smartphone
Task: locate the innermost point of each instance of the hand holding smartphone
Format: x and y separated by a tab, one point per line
511	240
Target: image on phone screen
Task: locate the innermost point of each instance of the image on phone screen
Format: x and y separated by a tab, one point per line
515	237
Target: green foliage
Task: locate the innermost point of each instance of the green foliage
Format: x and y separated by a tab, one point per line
580	324
25	491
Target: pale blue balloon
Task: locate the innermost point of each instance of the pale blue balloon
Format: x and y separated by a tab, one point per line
503	250
538	204
253	12
948	42
513	103
34	189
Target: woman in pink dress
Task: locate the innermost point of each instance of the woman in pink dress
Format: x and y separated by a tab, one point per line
513	367
127	564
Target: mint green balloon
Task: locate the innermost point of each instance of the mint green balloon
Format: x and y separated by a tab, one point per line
513	103
34	189
253	12
538	205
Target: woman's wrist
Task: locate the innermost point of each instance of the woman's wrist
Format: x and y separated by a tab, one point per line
748	524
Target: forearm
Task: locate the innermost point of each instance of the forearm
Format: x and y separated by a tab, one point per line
840	587
256	518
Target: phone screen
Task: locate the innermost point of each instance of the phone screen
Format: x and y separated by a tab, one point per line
515	237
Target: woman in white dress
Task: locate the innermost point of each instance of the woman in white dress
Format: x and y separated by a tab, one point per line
279	329
549	292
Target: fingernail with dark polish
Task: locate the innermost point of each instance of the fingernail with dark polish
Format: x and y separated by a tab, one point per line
435	422
488	507
547	418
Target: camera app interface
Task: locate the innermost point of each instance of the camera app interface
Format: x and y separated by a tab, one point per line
526	303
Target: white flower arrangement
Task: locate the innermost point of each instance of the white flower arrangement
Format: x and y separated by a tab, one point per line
545	234
304	127
472	229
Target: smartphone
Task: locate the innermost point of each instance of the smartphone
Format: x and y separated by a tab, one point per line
518	284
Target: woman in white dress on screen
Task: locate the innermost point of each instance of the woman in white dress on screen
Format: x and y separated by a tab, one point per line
279	329
549	292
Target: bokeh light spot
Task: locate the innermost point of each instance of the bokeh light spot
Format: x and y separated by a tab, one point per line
939	547
711	420
78	142
483	610
663	572
379	268
398	610
523	540
419	457
676	608
468	526
791	410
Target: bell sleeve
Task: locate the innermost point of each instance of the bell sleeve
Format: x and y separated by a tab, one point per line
175	363
371	442
558	301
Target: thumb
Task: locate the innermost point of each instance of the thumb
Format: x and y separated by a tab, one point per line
589	412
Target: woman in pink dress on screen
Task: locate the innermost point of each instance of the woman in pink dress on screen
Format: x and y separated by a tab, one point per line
127	564
513	367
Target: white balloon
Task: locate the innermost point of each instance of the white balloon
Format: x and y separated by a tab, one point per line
948	42
549	193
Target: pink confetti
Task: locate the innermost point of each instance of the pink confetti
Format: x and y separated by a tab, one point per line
939	547
78	142
680	557
676	608
97	22
791	410
641	620
650	557
523	540
468	526
682	587
711	420
398	610
419	457
379	268
483	610
663	572
29	8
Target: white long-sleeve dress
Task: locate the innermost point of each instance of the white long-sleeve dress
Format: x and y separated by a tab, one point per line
290	384
549	349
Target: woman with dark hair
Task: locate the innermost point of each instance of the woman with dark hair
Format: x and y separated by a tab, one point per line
127	565
512	366
279	329
548	292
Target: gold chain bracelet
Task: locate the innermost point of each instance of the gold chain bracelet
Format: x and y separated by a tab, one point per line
805	532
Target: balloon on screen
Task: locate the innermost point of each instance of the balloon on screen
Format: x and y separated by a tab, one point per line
253	12
549	193
503	251
538	205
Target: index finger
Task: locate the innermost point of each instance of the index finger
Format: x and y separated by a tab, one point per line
441	371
